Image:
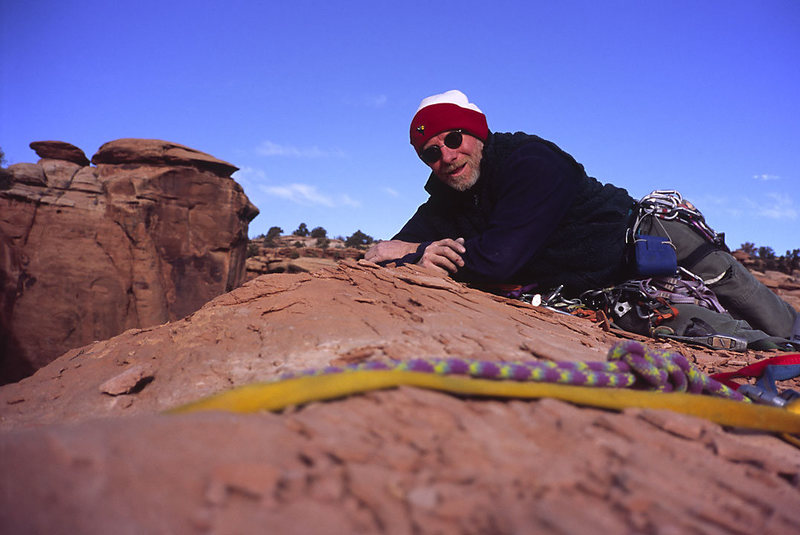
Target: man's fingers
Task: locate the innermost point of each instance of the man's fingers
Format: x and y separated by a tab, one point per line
447	252
456	245
443	255
439	263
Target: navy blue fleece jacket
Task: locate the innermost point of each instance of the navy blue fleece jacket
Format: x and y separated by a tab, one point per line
533	216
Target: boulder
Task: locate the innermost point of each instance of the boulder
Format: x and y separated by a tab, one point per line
59	150
136	241
26	173
787	287
159	153
87	448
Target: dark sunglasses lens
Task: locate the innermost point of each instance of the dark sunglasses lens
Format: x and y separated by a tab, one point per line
431	154
453	140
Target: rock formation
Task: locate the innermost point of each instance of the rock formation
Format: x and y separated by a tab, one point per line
295	254
86	448
148	234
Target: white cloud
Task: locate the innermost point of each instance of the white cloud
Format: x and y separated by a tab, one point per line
349	201
392	192
307	195
778	206
268	148
249	175
766	177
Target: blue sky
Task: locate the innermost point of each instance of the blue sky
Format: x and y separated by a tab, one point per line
312	100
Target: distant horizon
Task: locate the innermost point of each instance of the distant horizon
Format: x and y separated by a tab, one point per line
296	226
312	101
342	237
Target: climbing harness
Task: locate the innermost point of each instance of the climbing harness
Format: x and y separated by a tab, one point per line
634	376
670	205
677	290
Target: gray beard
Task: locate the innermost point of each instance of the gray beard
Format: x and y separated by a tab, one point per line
464	185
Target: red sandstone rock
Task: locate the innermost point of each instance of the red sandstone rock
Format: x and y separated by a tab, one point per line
133	242
401	461
786	286
128	381
28	173
159	153
295	254
60	150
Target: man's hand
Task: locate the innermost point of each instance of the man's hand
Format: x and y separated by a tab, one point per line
389	250
444	255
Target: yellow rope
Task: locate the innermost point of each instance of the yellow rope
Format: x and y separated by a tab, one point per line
297	391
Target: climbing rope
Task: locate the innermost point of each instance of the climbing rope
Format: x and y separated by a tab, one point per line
629	365
669	371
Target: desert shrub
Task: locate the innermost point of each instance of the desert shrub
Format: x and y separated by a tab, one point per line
252	249
766	253
272	234
323	242
319	232
5	176
767	258
358	239
790	261
749	248
301	231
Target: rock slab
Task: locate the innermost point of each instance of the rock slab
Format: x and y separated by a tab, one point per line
85	446
147	235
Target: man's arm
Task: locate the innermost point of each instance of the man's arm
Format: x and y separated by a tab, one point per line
419	242
389	250
443	256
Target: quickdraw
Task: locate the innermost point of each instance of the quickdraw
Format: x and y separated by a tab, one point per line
641	306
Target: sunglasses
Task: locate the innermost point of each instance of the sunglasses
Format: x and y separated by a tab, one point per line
432	154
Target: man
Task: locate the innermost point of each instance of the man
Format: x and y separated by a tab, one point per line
515	208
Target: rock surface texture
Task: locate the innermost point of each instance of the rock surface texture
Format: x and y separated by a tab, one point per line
148	234
85	447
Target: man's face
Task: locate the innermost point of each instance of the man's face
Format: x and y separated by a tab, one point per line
459	168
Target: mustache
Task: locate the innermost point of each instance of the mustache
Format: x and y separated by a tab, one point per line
453	167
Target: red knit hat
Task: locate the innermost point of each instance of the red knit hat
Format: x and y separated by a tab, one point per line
447	111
